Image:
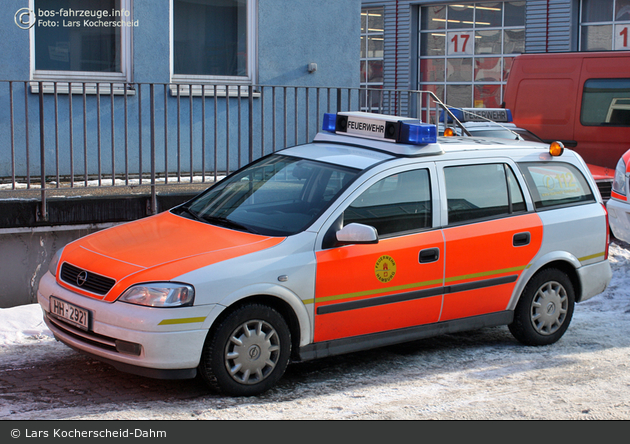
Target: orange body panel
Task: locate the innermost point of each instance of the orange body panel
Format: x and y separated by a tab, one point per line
485	251
478	253
350	273
160	247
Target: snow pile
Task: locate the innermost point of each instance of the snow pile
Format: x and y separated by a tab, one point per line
22	325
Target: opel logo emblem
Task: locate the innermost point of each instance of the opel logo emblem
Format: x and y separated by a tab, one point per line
254	352
82	278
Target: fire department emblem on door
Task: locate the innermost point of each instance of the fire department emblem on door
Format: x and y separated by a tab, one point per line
385	269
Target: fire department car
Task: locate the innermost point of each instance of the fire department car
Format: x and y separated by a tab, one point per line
618	205
484	122
378	232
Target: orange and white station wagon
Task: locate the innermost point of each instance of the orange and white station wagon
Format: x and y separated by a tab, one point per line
378	232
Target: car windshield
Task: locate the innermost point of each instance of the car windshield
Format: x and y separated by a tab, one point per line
276	196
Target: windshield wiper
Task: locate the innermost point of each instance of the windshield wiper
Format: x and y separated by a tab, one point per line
184	209
223	222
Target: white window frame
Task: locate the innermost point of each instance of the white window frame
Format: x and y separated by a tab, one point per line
471	30
613	23
119	79
232	83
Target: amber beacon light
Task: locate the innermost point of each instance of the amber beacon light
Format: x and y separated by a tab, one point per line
556	148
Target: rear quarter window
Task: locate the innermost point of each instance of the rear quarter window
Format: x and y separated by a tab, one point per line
556	184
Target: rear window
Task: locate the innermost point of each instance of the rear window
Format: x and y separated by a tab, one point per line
556	184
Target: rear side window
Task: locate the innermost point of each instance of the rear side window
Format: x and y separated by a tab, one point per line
606	102
481	192
555	184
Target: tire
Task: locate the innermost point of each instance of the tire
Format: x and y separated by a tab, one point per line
545	308
247	353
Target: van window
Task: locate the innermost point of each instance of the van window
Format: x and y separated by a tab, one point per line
606	102
555	184
481	191
396	204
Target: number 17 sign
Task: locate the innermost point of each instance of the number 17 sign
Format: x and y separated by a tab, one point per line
460	43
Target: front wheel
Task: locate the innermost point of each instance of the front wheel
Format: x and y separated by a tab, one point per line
545	308
248	351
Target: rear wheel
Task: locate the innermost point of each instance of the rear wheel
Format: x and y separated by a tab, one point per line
545	308
248	351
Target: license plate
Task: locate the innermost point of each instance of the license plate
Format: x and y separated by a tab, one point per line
70	313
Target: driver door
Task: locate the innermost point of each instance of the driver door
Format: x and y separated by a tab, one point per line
393	284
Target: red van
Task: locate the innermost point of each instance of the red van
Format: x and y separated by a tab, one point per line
582	99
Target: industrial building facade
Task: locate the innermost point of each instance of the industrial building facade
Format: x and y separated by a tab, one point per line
463	51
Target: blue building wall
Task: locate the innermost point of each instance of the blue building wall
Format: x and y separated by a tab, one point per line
325	32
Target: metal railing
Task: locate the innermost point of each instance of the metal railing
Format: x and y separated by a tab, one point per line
61	135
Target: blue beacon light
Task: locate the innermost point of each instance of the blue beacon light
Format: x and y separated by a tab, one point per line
330	122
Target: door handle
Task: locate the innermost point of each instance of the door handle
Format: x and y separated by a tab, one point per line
521	239
429	255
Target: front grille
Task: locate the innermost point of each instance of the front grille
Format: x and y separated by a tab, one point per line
605	188
86	280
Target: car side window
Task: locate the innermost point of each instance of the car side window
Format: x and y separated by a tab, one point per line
556	184
482	191
606	102
395	204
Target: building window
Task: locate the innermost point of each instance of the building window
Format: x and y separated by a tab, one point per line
372	37
213	41
605	25
81	40
466	50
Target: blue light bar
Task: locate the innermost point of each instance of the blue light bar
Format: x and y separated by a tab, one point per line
330	122
417	133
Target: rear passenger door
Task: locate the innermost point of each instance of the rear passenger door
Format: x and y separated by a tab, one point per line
489	234
395	283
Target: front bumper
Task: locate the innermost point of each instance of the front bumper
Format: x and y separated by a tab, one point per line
619	219
156	342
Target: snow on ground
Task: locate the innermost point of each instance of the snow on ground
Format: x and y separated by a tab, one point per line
22	325
479	375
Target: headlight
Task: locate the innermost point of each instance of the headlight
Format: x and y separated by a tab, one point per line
159	294
619	183
54	262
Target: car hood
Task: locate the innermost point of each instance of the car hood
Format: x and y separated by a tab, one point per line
157	248
601	173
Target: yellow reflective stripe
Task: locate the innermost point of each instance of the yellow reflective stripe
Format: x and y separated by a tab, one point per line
484	274
378	291
308	301
592	256
182	321
416	285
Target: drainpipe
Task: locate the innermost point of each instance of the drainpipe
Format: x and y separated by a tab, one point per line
547	29
396	64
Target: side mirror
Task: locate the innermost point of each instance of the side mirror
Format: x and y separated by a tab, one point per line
357	234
